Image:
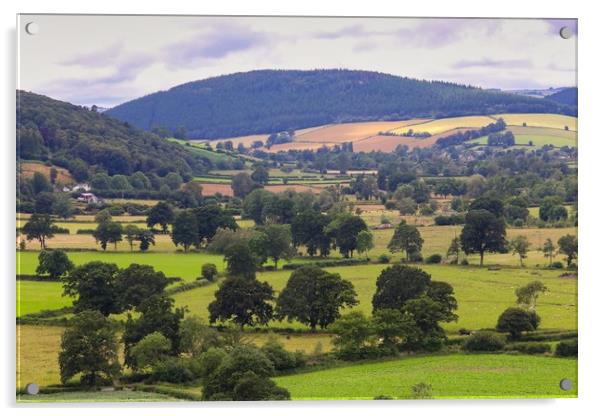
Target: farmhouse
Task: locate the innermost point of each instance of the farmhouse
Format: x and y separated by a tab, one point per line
88	198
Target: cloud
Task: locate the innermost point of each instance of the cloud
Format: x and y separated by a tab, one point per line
436	33
95	59
349	31
493	63
220	42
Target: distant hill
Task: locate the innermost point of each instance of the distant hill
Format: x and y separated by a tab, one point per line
82	140
567	96
269	101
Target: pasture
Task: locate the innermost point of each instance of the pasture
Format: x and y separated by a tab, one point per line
29	168
482	294
554	121
39	346
451	376
445	124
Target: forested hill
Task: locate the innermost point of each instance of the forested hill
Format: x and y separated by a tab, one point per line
567	96
269	101
83	140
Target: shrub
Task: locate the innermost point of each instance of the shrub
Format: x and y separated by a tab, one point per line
519	222
209	271
422	391
556	265
85	231
464	262
384	258
517	320
529	347
567	348
484	341
464	331
173	370
434	259
281	358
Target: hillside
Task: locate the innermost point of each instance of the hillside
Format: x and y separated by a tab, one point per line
80	139
268	101
567	96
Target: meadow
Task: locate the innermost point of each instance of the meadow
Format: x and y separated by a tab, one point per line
445	124
555	121
482	294
451	376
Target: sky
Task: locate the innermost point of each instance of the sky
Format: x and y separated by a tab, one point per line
108	60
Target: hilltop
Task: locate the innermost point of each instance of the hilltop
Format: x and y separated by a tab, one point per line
268	101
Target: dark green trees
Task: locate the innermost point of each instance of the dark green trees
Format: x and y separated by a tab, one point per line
406	238
54	263
108	232
568	245
185	230
161	214
517	320
344	229
483	232
89	346
243	374
93	287
39	227
156	315
397	284
314	297
244	301
309	229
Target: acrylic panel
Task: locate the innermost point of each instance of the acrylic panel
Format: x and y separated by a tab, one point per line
223	208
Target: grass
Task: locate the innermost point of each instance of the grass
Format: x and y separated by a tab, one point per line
446	124
451	376
37	355
482	294
38	348
184	265
555	121
534	140
95	397
37	296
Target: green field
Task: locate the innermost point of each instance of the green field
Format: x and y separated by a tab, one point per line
174	264
482	294
451	376
535	140
38	296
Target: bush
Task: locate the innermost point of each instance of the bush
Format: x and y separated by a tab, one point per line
567	349
209	271
464	262
282	359
464	331
484	341
517	320
434	259
455	219
325	263
556	265
384	258
422	391
173	370
530	347
85	231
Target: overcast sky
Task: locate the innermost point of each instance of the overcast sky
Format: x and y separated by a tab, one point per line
107	60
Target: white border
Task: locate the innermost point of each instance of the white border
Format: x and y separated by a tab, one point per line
590	149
